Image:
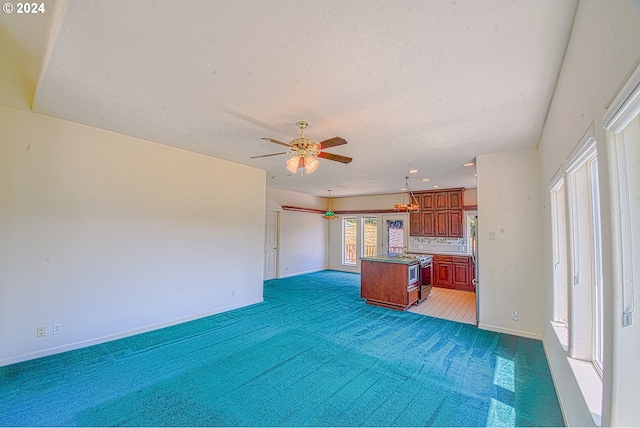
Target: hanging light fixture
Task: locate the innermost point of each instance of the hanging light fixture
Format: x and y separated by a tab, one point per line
305	153
309	163
407	201
330	215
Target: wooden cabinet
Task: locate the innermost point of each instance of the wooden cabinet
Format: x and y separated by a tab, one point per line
427	201
428	223
386	284
442	200
455	223
442	271
415	223
461	271
455	199
442	222
440	214
447	224
455	272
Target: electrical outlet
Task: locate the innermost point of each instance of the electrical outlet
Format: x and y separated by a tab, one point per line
41	331
514	315
492	236
57	328
233	293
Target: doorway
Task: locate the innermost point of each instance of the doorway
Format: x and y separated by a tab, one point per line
395	233
271	245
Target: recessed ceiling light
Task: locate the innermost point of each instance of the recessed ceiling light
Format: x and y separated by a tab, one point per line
426	179
468	164
435	186
413	171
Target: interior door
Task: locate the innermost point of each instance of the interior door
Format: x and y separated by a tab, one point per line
395	233
271	244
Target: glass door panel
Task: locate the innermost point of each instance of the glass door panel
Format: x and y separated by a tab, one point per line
395	233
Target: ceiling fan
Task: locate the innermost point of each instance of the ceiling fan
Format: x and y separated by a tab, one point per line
305	151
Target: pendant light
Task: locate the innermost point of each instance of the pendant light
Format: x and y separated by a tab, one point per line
407	201
330	215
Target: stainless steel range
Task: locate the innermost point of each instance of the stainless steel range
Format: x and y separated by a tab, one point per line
426	274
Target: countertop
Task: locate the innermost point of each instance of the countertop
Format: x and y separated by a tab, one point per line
384	258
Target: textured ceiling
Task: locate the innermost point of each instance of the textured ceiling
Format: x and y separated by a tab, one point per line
424	85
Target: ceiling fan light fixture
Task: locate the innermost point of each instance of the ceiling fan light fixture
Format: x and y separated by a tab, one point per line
292	163
305	151
310	164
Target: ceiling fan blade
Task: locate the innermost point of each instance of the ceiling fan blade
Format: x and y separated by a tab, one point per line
337	158
276	141
332	142
266	156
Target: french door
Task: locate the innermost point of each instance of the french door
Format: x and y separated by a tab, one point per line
395	233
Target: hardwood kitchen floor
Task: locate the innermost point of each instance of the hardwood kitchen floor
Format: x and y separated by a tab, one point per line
454	305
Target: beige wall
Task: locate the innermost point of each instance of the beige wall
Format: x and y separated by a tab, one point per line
509	265
111	235
302	237
470	197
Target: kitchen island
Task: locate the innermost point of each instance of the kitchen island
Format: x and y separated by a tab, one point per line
390	281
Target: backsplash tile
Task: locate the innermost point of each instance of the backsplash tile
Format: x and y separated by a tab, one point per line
440	241
438	245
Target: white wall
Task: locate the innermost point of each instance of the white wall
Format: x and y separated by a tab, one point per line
604	49
509	265
302	237
111	235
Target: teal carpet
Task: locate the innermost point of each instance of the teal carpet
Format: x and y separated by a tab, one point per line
313	354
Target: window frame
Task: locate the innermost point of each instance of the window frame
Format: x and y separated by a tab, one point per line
363	244
584	254
354	221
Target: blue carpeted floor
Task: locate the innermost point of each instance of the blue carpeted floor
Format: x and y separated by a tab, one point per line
313	354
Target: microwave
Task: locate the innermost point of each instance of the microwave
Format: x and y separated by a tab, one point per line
414	274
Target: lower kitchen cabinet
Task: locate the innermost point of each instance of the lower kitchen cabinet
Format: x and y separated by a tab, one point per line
456	272
461	271
442	271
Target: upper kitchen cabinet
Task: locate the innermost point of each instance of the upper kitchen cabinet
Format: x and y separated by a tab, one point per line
455	199
440	214
442	200
427	201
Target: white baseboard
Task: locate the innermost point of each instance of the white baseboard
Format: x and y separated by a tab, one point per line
120	335
301	273
510	331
